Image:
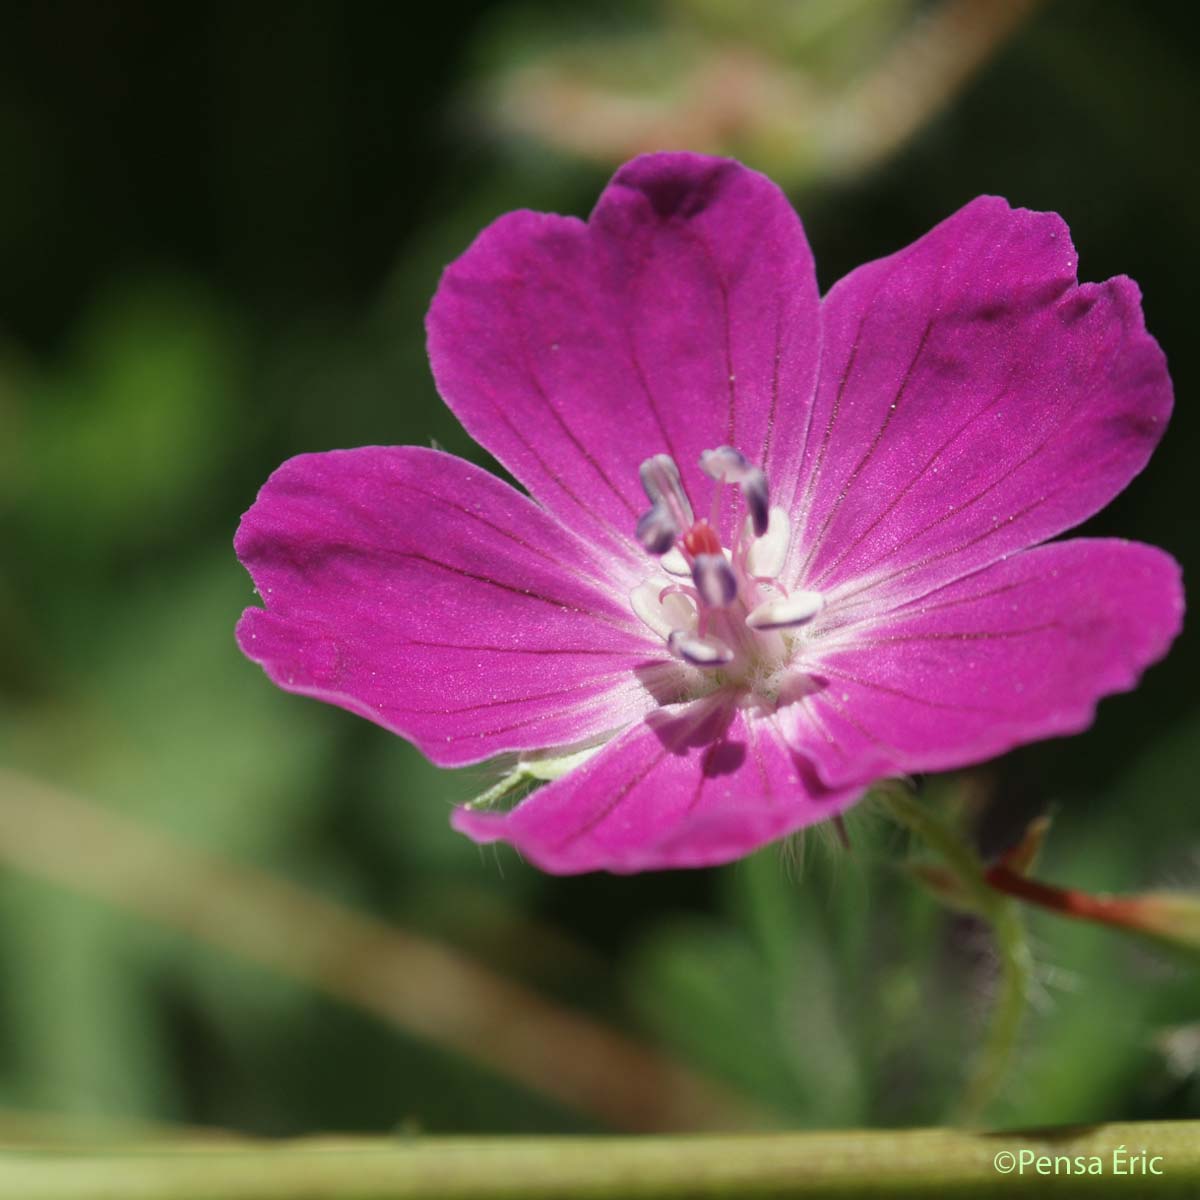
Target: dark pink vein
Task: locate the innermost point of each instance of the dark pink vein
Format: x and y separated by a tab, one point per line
526	593
597	819
930	559
924	701
568	432
644	383
1003	478
769	435
848	370
536	650
898	498
706	759
815	721
902	611
504	531
767	788
727	330
893	752
616	801
814	475
597	684
892	409
556	477
978	635
545	719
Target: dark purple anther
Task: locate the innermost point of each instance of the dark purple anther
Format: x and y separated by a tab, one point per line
657	530
727	465
714	580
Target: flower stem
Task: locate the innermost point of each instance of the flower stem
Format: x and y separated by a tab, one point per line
1016	964
911	1163
1170	918
1004	1029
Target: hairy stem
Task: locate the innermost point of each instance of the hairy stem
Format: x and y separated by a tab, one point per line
1162	1159
1004	1029
1015	962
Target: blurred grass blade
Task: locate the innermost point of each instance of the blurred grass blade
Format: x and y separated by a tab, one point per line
418	985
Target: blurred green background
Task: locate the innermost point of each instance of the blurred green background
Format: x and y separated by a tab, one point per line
220	226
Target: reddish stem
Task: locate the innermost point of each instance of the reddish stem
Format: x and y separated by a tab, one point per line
1107	910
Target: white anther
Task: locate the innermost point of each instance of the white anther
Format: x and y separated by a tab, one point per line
674	563
699	651
768	553
786	611
662	614
714	580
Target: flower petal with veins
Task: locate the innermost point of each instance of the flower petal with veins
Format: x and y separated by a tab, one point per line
847	503
1017	651
423	593
681	315
974	399
688	787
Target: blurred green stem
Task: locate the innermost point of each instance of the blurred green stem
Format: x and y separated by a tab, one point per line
425	989
924	1162
1016	964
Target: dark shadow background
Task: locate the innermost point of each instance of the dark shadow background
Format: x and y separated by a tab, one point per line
220	225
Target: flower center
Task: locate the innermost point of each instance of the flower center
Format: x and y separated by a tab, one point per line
735	622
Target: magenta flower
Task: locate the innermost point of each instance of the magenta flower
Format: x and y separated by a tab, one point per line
775	547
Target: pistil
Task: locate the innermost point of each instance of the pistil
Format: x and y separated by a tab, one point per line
730	619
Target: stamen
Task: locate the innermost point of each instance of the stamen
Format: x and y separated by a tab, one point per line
754	490
663	613
660	478
771	582
657	530
786	612
714	580
679	589
724	582
674	563
699	651
768	554
727	465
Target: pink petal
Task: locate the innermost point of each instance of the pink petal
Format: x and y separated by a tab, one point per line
689	787
423	593
973	400
1019	651
681	316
